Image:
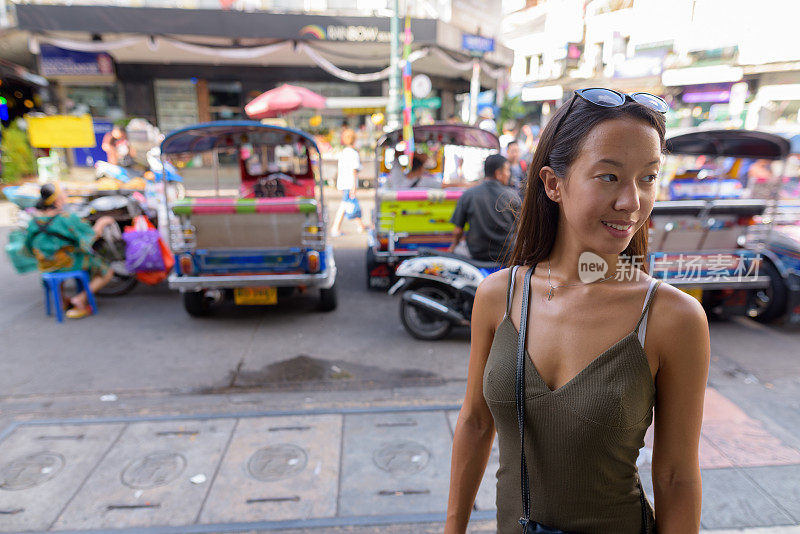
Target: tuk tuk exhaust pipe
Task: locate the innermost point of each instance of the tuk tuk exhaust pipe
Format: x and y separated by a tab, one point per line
431	306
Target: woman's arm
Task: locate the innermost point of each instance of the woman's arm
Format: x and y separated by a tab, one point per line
472	440
680	389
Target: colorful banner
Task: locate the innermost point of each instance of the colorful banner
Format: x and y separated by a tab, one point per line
408	131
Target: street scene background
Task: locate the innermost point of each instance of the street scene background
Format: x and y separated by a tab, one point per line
142	417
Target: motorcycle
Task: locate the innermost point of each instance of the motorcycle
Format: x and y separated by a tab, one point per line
155	172
437	291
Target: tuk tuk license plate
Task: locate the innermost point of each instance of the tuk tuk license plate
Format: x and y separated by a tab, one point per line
255	295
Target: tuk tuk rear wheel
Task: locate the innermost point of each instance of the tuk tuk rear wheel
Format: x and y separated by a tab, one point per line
196	303
327	298
769	303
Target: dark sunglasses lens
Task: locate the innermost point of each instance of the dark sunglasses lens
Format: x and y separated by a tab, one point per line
602	97
651	101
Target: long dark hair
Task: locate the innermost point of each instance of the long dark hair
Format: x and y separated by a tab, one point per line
537	222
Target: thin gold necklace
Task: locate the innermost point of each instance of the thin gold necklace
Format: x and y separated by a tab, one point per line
552	287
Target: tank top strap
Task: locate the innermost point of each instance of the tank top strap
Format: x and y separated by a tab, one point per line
510	292
641	326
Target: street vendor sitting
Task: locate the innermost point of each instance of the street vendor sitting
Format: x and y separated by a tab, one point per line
63	242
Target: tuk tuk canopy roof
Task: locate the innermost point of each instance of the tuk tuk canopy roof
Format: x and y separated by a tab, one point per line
730	143
446	133
209	135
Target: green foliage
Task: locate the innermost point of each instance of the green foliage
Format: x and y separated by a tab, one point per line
16	153
512	108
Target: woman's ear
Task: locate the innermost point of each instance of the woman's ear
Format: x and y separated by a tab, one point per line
550	181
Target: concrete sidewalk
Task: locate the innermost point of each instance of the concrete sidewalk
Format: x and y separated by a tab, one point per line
356	469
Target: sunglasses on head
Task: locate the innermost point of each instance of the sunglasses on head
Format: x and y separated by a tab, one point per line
609	98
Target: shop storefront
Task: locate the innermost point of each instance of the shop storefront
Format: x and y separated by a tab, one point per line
172	77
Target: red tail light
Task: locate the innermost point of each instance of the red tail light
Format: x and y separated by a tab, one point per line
313	261
186	264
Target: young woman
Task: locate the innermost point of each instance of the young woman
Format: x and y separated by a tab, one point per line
603	354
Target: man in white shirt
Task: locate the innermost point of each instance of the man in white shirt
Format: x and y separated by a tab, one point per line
347	182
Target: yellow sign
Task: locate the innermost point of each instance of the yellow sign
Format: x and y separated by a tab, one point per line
362	111
61	131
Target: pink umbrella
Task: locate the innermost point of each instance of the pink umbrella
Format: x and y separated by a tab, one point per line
282	100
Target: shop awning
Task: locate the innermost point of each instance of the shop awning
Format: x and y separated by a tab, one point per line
12	70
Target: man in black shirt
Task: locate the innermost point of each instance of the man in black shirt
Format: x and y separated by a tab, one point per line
490	209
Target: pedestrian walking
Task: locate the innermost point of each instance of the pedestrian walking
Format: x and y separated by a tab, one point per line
568	364
347	182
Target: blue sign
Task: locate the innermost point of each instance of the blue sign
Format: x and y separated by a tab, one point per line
56	61
477	43
85	157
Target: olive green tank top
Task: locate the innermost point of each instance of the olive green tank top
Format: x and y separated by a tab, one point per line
581	440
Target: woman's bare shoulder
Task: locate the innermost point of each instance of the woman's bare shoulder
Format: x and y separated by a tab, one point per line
678	322
495	285
491	296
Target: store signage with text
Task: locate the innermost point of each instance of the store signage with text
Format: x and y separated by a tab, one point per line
56	61
477	43
356	34
433	102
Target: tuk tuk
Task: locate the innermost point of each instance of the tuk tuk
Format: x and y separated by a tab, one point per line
251	228
410	216
712	229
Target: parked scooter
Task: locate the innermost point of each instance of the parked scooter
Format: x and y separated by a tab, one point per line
156	172
437	290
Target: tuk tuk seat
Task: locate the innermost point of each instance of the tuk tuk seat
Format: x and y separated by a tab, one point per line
252	223
693	225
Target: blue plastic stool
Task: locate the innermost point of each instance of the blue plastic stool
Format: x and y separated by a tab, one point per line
52	290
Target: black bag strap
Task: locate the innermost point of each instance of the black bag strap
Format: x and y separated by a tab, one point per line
43	228
520	390
520	394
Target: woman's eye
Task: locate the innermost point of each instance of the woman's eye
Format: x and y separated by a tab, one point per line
608	177
650	178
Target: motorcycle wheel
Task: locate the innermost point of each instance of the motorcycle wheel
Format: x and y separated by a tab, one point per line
421	324
114	253
769	303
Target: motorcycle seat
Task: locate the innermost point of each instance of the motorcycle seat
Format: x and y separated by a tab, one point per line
480	264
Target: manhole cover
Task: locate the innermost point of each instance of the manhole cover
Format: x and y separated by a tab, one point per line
30	471
277	462
153	470
402	457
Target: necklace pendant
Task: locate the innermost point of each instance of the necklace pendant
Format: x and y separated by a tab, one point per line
550	294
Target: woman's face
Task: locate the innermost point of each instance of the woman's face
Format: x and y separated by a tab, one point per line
611	182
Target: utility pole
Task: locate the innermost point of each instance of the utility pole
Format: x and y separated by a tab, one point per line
474	89
393	120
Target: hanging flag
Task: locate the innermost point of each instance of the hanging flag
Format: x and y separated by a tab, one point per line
408	131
